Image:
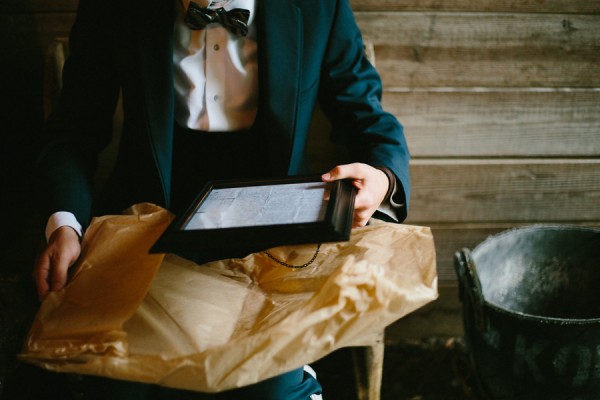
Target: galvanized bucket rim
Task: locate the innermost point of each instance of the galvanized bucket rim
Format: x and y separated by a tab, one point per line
539	319
526	316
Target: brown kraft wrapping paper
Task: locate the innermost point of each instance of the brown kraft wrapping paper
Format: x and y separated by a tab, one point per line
131	315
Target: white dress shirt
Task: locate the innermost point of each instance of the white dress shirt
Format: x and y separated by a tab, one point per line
215	72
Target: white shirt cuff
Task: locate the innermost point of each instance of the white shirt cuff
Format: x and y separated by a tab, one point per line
62	218
388	205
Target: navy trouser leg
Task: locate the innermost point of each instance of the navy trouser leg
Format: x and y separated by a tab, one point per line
294	385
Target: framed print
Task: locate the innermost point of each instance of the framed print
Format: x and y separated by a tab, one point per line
236	217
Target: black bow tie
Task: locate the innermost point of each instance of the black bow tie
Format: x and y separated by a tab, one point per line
236	20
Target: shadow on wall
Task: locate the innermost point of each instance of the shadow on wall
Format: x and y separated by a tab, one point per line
21	119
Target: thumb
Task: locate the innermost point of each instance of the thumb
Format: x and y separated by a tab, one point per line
343	171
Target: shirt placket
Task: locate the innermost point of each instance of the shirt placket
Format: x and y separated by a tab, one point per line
216	63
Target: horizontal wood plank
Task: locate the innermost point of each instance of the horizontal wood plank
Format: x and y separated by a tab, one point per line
25	40
27	33
480	30
483	123
529	6
479	49
529	190
440	318
499	123
37	6
435	49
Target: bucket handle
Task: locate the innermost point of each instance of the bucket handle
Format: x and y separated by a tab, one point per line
470	286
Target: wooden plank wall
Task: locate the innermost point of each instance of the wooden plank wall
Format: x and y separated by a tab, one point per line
501	105
499	98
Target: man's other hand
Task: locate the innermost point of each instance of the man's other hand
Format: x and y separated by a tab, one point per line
60	254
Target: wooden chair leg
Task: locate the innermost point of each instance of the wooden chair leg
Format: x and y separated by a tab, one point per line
368	367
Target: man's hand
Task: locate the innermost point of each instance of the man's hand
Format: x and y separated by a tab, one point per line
372	185
62	251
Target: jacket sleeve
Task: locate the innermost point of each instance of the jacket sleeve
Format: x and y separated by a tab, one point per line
81	123
350	95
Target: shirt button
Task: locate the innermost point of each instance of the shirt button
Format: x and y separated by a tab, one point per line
216	97
216	47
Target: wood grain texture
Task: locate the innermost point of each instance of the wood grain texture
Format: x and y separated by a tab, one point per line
439	49
480	30
499	123
440	318
531	6
484	49
37	6
28	33
530	190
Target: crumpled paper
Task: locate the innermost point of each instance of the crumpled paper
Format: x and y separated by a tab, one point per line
131	315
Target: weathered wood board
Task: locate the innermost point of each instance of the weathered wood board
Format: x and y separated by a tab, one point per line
529	6
513	6
417	49
461	123
488	190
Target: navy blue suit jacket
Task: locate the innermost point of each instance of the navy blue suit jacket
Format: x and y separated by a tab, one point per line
309	51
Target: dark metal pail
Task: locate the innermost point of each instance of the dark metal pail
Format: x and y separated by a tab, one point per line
531	312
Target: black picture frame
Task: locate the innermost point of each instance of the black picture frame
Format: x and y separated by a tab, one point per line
333	223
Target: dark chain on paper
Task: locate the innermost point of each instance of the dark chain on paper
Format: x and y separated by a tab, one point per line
314	257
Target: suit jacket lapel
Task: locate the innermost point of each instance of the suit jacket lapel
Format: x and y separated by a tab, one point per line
279	24
155	37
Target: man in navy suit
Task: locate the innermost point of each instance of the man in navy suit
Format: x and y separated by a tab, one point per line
214	89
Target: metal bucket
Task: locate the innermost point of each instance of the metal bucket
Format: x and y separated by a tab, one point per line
531	312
